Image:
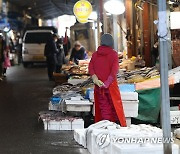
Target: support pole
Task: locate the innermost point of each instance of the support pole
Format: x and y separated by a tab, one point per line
0	6
165	103
115	32
142	32
98	22
104	19
169	45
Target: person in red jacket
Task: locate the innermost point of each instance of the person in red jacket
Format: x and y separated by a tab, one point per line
103	68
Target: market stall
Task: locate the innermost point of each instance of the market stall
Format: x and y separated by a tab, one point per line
139	87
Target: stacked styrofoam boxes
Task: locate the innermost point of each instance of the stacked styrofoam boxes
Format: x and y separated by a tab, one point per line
110	130
95	130
63	124
57	125
119	149
54	121
130	104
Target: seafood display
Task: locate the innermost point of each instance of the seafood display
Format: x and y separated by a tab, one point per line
64	88
137	75
75	69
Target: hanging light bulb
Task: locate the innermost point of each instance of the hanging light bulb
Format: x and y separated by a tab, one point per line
114	7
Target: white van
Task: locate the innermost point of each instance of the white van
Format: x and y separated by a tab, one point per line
34	42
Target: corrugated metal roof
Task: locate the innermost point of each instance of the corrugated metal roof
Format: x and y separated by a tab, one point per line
46	8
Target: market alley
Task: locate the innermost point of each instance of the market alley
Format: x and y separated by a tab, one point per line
23	95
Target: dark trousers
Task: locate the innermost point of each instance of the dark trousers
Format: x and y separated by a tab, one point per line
4	70
50	67
1	69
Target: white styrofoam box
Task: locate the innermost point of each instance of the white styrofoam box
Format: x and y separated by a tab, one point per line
65	125
80	102
76	98
158	149
57	125
55	107
94	130
78	106
130	108
106	146
77	124
76	81
92	145
51	125
175	117
125	96
80	136
129	96
128	121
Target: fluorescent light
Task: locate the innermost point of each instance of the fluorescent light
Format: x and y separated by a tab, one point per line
93	15
175	23
114	7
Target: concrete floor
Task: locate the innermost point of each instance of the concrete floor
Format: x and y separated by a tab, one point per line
23	94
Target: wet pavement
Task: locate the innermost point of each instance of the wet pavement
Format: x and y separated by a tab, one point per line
23	94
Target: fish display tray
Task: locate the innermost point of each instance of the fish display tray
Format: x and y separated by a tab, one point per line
78	106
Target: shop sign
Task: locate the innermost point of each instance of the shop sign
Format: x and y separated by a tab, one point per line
82	10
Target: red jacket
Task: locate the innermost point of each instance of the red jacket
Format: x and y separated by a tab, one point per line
104	63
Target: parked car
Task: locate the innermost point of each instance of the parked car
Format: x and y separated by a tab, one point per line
34	41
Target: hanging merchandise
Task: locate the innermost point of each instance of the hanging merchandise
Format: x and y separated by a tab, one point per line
82	10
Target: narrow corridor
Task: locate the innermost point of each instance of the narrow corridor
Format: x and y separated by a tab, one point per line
23	95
